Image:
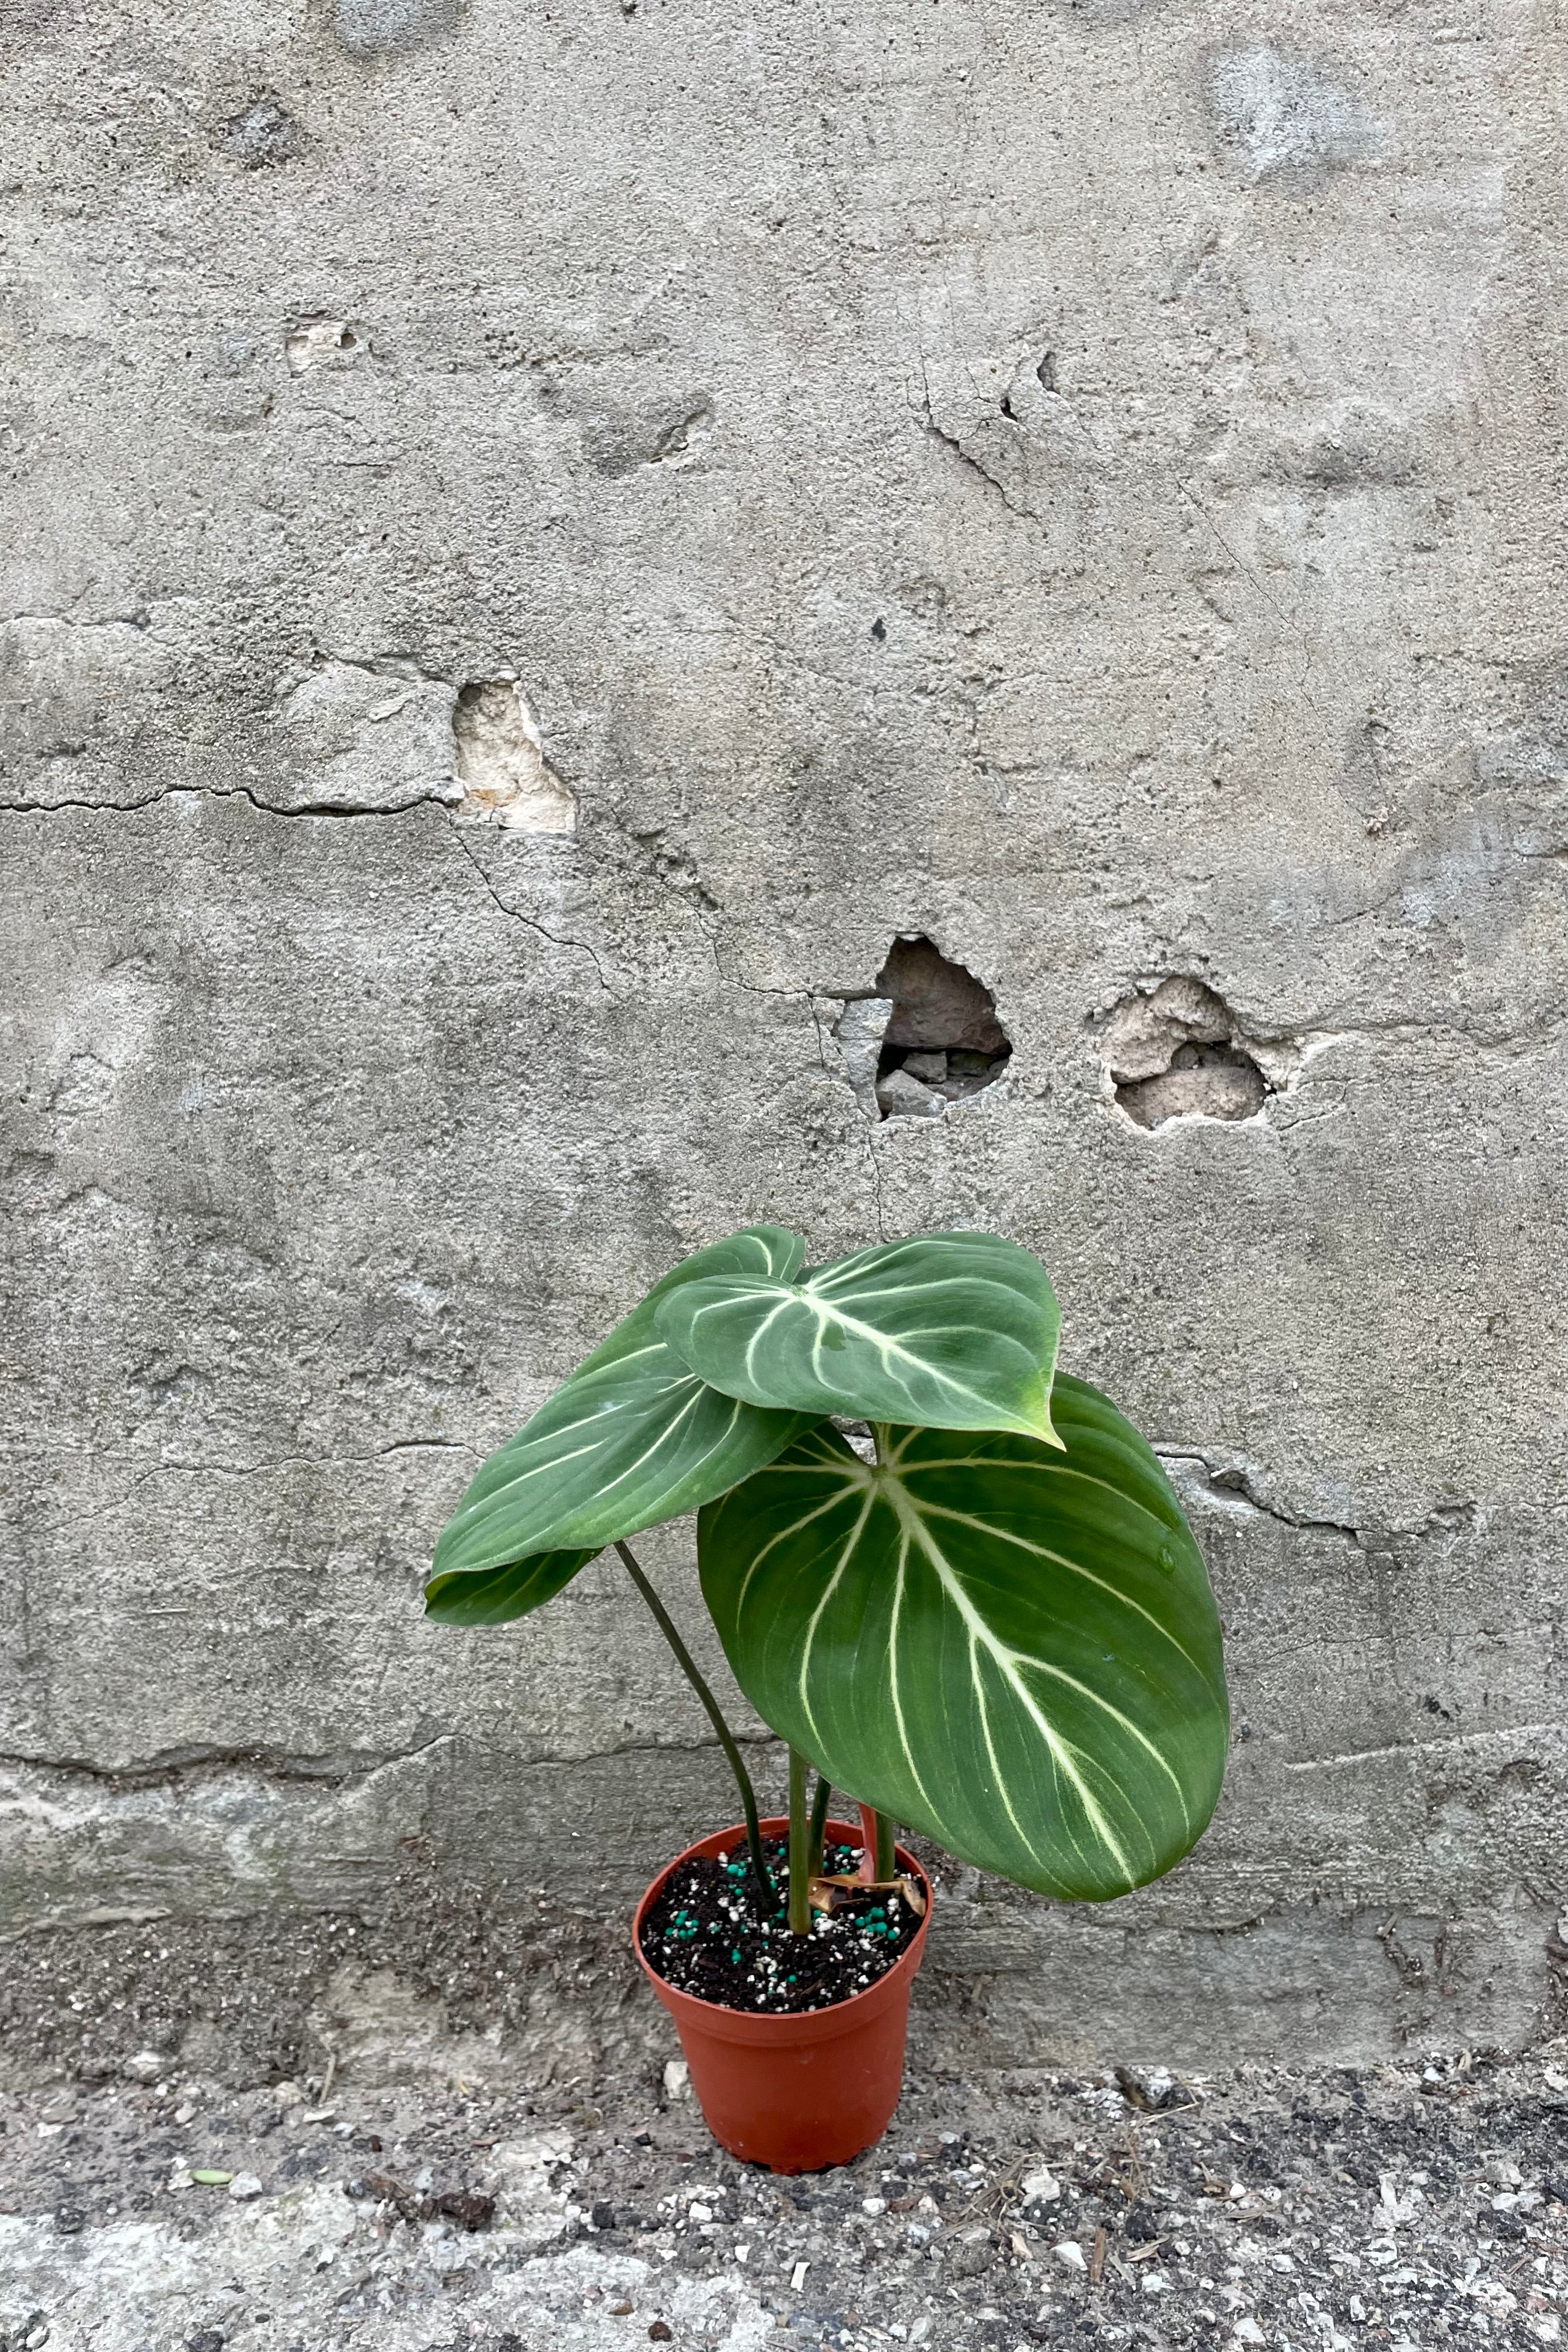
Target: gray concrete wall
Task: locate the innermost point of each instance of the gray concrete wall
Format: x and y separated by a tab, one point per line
1081	481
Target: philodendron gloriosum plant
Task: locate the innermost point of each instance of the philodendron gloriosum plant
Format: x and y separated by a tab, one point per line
998	1632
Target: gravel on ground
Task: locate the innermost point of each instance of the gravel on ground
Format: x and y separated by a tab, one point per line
1407	2206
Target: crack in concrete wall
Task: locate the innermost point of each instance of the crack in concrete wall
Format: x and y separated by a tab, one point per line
1232	1485
332	1772
332	810
328	1771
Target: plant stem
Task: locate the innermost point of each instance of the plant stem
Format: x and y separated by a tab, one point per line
688	1667
886	1860
799	1848
819	1822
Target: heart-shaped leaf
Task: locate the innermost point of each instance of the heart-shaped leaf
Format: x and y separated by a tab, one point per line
952	1331
633	1437
1010	1647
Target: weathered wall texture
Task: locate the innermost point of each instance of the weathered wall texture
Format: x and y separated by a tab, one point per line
1084	482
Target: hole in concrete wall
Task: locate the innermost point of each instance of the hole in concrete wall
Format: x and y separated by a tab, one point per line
929	1036
500	761
1046	373
1203	1081
1179	1053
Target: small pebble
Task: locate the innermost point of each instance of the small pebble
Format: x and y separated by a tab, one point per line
244	2185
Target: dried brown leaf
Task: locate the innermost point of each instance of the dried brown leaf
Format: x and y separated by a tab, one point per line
828	1894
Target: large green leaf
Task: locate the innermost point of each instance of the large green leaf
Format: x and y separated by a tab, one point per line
1012	1648
634	1437
952	1331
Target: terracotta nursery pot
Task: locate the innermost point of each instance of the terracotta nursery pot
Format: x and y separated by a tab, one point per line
796	2092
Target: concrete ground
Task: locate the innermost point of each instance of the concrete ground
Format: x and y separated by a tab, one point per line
1406	2205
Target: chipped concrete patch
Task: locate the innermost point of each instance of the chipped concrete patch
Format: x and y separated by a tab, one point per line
1176	1053
505	777
1174	1050
617	442
858	1028
261	135
1290	119
319	342
928	1038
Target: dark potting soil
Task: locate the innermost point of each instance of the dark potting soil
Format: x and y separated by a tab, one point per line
708	1935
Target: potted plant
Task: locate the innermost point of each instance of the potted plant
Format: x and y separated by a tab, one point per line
955	1581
